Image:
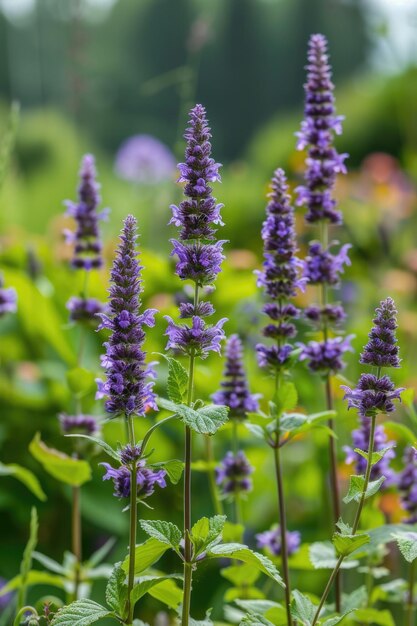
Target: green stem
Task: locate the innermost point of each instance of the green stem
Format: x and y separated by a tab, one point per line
237	501
217	503
133	526
76	537
356	521
411	583
188	572
22	612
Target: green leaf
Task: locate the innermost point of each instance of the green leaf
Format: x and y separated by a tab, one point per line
173	468
99	555
116	590
332	621
25	476
242	574
355	600
252	619
286	397
205	421
302	608
167	592
233	533
26	563
356	486
144	584
323	556
177	382
374	616
146	554
80	613
99	442
255	429
401	431
71	471
206	532
407	543
49	563
34	577
81	381
243	553
166	532
376	456
346	544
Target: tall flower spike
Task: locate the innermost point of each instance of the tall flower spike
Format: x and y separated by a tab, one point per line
317	134
374	393
86	238
234	391
232	475
280	275
199	254
126	386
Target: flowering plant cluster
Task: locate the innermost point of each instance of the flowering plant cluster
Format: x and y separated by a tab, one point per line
145	397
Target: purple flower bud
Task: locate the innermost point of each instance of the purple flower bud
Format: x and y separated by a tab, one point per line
407	485
381	349
86	238
130	453
126	386
78	424
372	395
271	540
188	310
198	339
144	159
360	439
234	391
85	310
232	475
325	357
273	356
323	267
146	479
317	135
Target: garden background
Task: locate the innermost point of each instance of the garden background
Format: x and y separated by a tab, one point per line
90	74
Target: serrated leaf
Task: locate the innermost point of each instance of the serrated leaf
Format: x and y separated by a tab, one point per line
173	468
302	608
146	554
99	442
291	421
177	382
25	476
80	613
376	456
116	590
145	584
407	543
323	556
206	532
344	528
81	381
205	421
240	552
165	532
168	593
346	544
356	486
71	471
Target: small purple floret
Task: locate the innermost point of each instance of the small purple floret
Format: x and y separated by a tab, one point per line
372	395
84	310
232	475
325	357
271	540
198	339
146	479
78	424
323	267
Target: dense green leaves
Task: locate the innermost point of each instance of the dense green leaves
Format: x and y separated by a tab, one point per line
302	608
81	613
145	584
146	554
356	487
165	532
240	552
207	532
177	382
205	421
25	476
71	471
346	544
116	590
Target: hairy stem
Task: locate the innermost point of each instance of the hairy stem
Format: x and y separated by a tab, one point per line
411	583
133	526
355	523
76	536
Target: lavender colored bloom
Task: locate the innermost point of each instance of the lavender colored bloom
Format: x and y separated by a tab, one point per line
232	475
317	135
126	386
381	349
130	453
323	267
188	310
86	238
144	159
407	485
198	339
328	315
372	395
234	391
280	275
198	262
325	356
360	439
271	540
8	299
146	479
78	424
84	310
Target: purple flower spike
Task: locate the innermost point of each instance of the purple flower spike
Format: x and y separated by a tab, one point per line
233	473
235	391
197	340
8	299
84	310
127	389
360	439
407	485
78	424
86	238
381	349
271	540
323	267
325	357
280	276
198	262
372	395
146	479
317	135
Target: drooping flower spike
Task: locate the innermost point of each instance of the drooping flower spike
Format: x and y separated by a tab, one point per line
234	391
280	276
86	238
127	386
